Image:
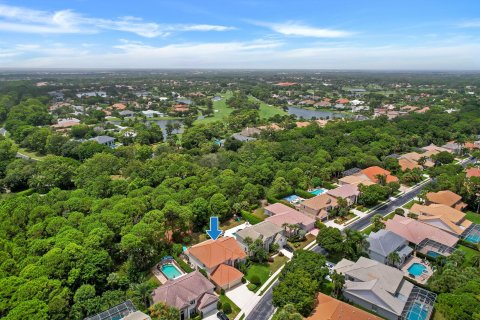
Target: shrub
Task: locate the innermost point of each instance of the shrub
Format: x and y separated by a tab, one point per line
244	280
412	215
227	308
219	305
252	287
255	280
400	211
222	292
280	254
202	271
185	267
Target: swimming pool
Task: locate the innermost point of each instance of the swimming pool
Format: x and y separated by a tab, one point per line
433	254
318	191
417	312
474	238
293	199
416	269
171	271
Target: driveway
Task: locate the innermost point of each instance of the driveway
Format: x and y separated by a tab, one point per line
287	253
241	296
211	316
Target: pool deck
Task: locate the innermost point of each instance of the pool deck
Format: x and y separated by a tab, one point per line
423	278
158	274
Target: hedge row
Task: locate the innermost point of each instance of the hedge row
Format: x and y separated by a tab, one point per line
250	217
468	244
304	194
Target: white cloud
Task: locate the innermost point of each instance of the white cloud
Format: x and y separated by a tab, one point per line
254	54
24	20
296	29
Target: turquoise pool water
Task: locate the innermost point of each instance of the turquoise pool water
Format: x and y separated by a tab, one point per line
171	271
433	254
417	312
292	198
317	192
416	269
474	238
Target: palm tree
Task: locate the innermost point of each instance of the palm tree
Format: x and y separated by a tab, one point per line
382	179
476	260
460	140
393	258
422	160
143	292
338	281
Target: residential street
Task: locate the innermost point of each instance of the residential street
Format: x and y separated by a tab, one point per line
264	309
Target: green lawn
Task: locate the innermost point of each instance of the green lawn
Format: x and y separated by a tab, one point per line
369	229
469	254
409	204
265	270
277	263
266	111
30	154
221	110
261	270
342	220
300	245
260	213
235	309
472	216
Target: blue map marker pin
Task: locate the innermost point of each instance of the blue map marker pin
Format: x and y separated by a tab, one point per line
214	232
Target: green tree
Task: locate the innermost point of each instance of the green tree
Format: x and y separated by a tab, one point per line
377	222
161	311
288	312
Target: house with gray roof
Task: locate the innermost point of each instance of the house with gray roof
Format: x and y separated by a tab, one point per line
191	294
106	140
384	242
266	231
375	286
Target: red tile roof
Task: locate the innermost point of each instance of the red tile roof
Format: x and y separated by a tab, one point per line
473	172
329	308
212	253
225	274
373	172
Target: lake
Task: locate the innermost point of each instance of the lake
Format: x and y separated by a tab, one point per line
310	114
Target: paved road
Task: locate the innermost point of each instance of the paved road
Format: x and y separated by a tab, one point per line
264	308
391	206
387	208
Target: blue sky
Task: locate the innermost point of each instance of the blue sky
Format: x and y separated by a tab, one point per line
389	35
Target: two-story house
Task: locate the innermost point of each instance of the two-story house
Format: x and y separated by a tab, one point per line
266	231
191	294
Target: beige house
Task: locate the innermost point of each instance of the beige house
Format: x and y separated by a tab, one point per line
319	207
447	198
442	217
266	231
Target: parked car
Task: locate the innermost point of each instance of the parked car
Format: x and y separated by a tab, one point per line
222	316
288	247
